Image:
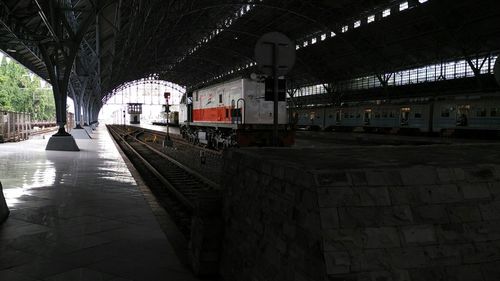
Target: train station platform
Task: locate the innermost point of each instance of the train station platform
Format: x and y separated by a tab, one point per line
80	216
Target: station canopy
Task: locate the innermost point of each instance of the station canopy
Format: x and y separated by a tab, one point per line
199	42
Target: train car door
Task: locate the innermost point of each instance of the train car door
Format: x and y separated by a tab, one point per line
463	115
312	118
405	116
367	117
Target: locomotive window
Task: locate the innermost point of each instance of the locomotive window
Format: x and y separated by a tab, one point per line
330	116
220	98
196	96
358	115
481	112
418	115
227	113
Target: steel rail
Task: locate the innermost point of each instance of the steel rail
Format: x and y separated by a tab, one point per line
160	177
180	165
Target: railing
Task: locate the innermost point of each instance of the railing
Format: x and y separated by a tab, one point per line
14	126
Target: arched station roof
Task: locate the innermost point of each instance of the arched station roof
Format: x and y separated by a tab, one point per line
197	42
146	81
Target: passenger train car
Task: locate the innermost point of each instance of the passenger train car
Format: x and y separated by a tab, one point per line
232	113
440	116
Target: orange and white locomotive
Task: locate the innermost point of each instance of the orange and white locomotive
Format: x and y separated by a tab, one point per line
232	113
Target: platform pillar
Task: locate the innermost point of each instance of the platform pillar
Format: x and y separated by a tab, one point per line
59	53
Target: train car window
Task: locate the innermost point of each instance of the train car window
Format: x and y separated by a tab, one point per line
384	114
418	115
351	115
358	115
481	112
330	116
445	112
196	96
346	115
494	112
220	98
377	114
227	113
392	114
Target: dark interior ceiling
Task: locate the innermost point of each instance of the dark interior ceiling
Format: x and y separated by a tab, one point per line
127	40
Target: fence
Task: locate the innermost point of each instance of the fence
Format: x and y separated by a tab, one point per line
14	126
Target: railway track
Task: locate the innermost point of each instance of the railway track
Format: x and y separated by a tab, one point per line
44	131
175	185
206	162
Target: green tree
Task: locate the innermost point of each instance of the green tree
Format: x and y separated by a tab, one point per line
20	91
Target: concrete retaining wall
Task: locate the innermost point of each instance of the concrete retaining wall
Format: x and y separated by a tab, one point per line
286	220
272	221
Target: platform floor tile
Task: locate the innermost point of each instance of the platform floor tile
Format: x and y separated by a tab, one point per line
79	216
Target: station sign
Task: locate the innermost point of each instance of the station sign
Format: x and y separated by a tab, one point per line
275	52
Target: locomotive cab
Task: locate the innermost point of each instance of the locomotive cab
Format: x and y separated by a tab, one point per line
186	108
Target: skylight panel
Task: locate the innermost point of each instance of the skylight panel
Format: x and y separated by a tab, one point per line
386	13
403	6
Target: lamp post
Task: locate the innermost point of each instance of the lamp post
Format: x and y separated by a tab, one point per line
167	110
168	141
